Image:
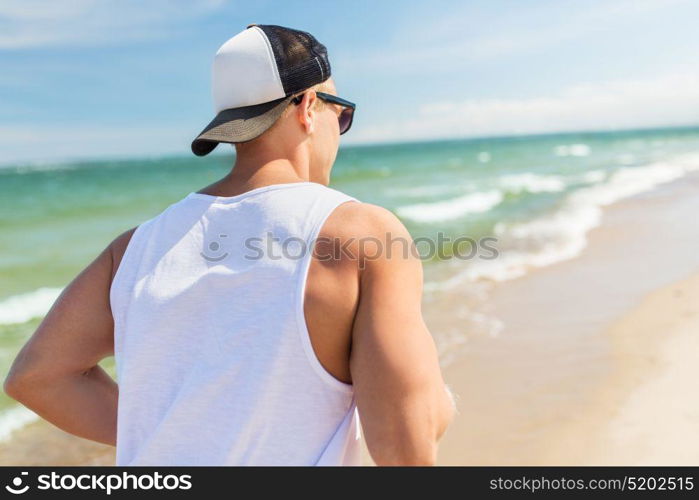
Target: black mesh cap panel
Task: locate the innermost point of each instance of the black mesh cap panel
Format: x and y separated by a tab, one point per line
301	59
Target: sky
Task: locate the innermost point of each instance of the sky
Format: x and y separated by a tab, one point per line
97	78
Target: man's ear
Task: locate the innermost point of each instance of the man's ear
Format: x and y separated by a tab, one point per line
306	112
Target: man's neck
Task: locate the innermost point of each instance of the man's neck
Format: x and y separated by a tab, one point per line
246	176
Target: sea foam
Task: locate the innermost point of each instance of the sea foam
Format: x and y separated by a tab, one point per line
562	234
483	201
23	307
533	183
572	150
15	418
454	208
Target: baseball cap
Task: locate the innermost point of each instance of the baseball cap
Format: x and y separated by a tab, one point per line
254	76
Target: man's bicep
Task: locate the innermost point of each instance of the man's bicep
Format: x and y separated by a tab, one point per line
77	332
394	362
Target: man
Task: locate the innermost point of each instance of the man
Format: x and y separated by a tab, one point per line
256	320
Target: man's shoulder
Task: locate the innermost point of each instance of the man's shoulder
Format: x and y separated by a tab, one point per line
356	219
362	233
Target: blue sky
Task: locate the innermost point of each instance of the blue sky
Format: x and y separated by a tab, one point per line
91	78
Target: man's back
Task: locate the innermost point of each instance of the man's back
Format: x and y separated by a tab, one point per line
214	361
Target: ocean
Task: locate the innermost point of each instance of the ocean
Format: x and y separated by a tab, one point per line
482	211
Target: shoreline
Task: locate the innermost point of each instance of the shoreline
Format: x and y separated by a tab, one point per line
556	385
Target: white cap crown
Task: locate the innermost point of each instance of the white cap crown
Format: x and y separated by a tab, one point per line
245	72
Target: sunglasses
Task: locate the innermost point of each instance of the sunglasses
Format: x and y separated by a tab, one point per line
346	116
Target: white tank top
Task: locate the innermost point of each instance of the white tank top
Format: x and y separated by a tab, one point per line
213	358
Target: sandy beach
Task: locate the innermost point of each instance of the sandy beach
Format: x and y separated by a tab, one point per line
657	422
595	365
642	411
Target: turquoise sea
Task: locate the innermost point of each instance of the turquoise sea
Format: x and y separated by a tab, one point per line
536	196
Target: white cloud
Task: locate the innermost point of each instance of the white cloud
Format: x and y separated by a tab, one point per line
659	101
452	38
38	23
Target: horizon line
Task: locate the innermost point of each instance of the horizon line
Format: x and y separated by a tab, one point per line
357	145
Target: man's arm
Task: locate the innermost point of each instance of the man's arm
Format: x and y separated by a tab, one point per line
56	373
403	402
